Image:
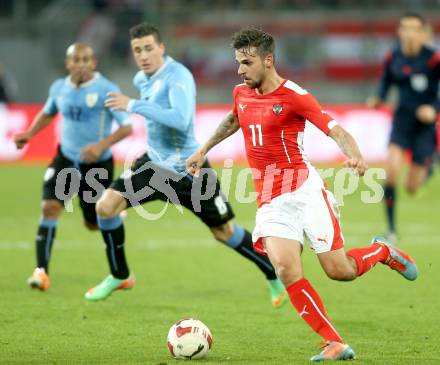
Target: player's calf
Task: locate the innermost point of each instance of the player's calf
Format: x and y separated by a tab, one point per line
223	233
337	265
340	274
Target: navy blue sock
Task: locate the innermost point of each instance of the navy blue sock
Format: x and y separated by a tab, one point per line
112	230
241	241
44	241
390	202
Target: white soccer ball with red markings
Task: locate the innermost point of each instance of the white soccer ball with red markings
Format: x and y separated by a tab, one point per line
189	339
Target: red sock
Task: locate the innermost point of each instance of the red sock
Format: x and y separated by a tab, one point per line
309	306
367	257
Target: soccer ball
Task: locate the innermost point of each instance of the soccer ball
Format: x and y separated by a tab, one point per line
189	339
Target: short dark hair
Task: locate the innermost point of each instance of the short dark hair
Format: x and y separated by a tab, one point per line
144	30
254	37
415	15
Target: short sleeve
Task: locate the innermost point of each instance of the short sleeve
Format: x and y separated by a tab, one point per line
309	108
50	106
234	105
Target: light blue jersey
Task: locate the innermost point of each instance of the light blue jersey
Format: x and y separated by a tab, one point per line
85	118
168	103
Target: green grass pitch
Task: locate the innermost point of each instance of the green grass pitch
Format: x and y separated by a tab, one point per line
181	271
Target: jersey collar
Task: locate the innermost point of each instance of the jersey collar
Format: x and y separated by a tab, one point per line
95	77
167	61
272	92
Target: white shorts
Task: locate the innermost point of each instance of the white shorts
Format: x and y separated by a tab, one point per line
311	211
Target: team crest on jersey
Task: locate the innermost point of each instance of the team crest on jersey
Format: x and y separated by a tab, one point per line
419	82
277	108
91	99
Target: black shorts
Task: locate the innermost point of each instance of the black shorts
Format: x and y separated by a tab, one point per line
63	179
147	181
420	139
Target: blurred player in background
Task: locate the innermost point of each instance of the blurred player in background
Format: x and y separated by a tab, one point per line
86	138
272	112
167	102
414	67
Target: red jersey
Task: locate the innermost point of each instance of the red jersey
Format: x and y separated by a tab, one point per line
273	128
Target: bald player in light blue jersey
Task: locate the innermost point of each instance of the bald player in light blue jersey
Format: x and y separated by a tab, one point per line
167	102
83	163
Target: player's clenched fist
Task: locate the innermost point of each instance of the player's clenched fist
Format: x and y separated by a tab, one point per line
195	162
358	164
91	152
426	114
21	140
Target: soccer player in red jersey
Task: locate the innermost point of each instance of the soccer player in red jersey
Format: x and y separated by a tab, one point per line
293	201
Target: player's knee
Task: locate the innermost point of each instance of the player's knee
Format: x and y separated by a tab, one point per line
286	272
222	233
104	209
287	275
91	226
411	188
51	209
391	178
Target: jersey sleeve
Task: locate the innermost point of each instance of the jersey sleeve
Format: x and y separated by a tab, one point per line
434	65
234	105
309	108
181	96
50	106
386	79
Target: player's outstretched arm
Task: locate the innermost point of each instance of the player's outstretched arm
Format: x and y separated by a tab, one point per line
177	115
386	81
350	148
374	102
40	122
228	126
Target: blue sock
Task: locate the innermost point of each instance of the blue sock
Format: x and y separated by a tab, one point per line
44	242
390	201
112	230
107	224
237	236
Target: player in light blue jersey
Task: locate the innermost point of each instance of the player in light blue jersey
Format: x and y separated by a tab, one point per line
83	163
167	102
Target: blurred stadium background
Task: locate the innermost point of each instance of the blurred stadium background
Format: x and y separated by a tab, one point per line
333	46
335	49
